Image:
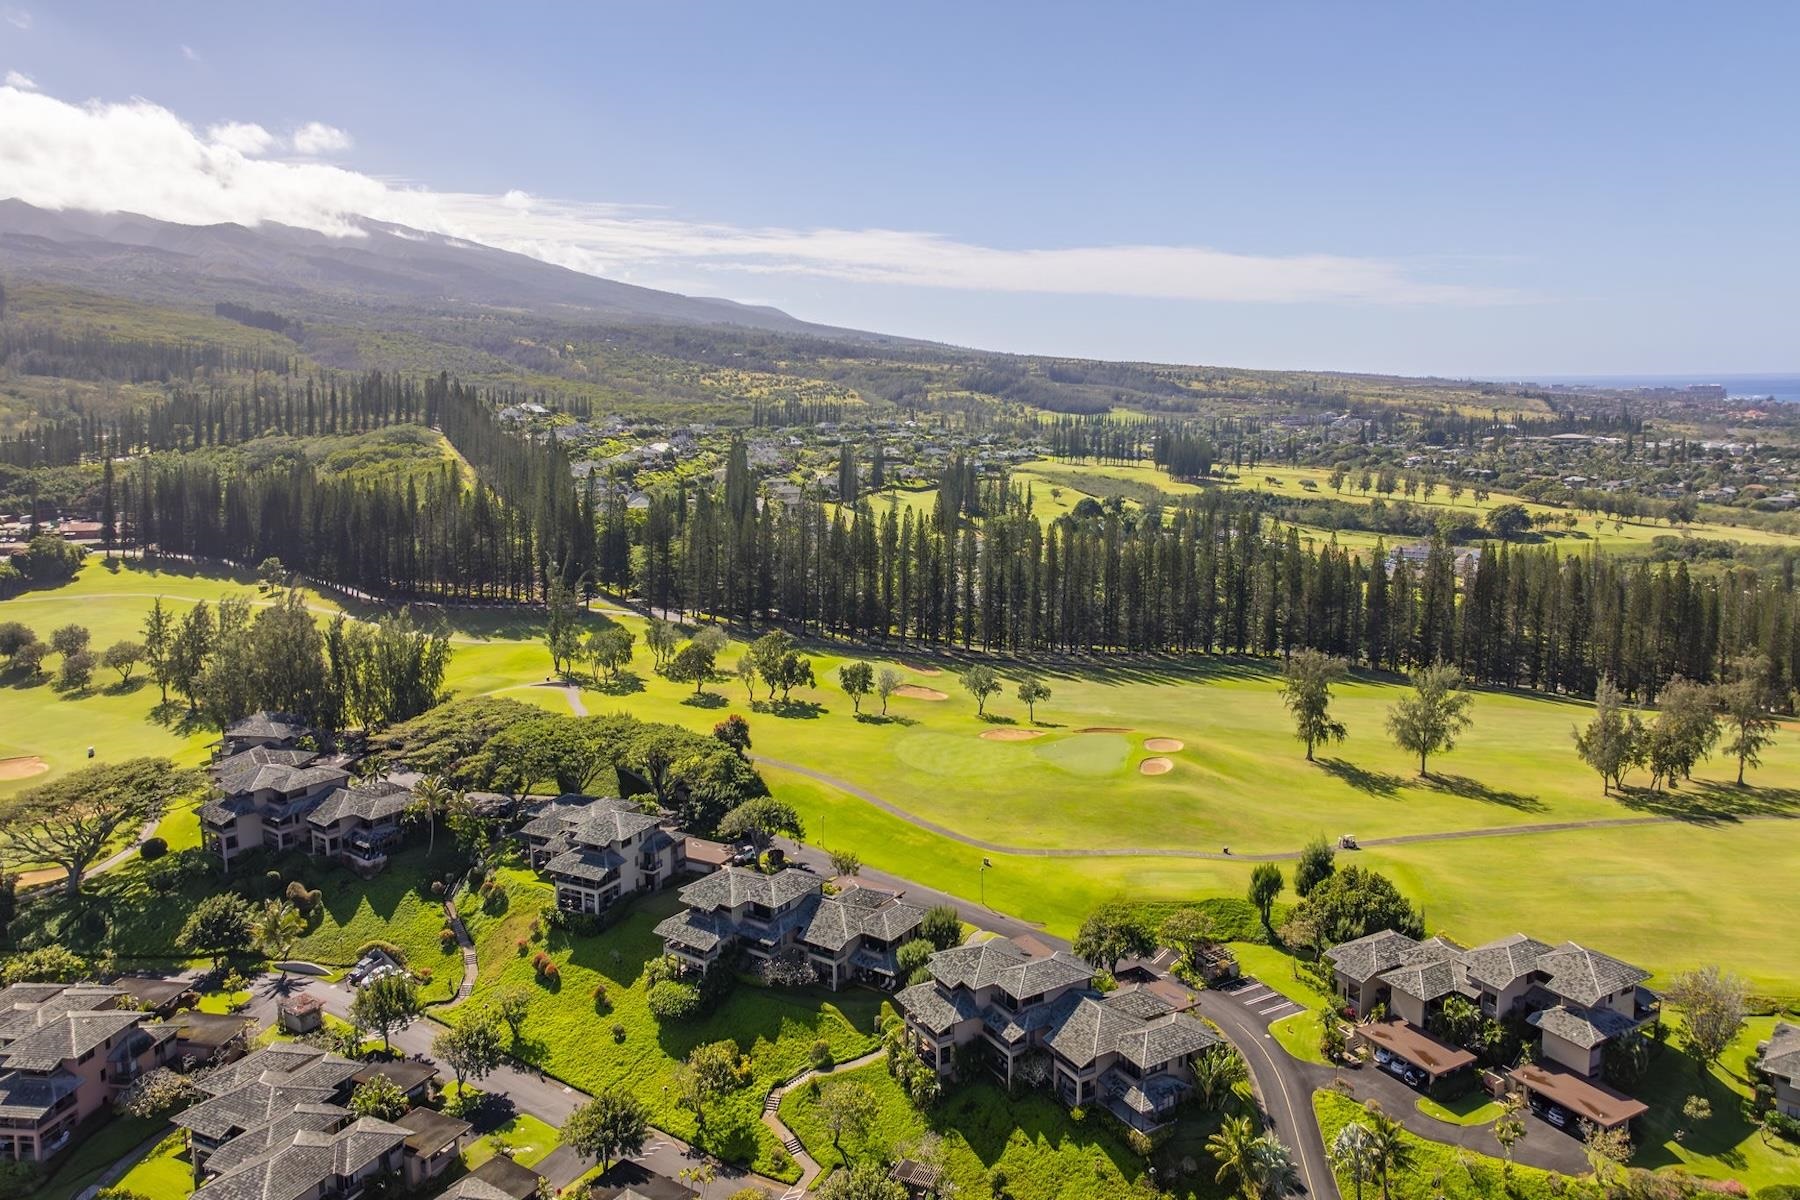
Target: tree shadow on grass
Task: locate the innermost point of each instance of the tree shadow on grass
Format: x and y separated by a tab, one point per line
1375	783
1465	788
802	710
627	684
127	688
707	700
1710	803
997	719
889	719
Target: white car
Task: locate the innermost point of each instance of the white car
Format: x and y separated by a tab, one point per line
1383	1056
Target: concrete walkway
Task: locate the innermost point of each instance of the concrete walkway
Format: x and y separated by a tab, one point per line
771	1117
466	944
530	1091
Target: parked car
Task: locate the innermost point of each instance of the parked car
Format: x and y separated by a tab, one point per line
1414	1077
1557	1116
1383	1056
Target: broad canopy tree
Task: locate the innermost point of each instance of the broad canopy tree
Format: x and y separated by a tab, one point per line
71	821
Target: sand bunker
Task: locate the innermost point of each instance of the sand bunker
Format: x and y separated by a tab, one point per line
913	691
1010	735
920	668
1156	766
1162	745
22	768
1104	729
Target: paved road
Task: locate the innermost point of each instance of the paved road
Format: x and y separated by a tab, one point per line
1282	1083
542	1096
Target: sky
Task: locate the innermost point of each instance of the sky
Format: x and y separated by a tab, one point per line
1497	191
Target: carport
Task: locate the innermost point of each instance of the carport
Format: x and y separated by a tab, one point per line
1583	1098
1406	1041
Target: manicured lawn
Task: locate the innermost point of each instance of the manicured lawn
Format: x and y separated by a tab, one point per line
119	911
1472	1109
1437	1169
93	1154
1724	1146
525	1136
1240	780
571	1036
164	1173
1044	1153
221	1003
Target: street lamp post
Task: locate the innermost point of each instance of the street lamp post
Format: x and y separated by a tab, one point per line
985	864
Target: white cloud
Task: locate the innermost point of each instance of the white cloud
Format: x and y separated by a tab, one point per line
316	137
140	157
246	138
189	53
20	80
18	18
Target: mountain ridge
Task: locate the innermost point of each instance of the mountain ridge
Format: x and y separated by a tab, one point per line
155	259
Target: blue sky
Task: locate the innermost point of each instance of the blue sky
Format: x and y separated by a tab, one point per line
1500	190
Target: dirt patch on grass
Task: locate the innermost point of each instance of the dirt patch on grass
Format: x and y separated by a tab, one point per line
1011	735
1105	729
913	691
919	668
23	767
1163	745
1156	766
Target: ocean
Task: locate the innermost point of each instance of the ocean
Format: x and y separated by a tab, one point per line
1785	388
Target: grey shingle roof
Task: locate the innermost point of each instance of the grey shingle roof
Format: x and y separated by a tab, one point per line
66	1037
1500	962
1363	958
499	1178
1085	1028
839	920
264	1086
428	1131
1781	1057
935	1009
737	885
291	1171
1586	1027
1587	976
1000	962
372	800
696	931
586	866
30	1097
280	777
268	724
244	764
279	1130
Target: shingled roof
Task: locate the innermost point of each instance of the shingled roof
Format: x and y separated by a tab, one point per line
738	885
1001	962
265	1086
293	1170
1363	958
1586	1027
371	800
245	763
859	912
269	725
1587	976
1499	963
1086	1027
1781	1054
66	1037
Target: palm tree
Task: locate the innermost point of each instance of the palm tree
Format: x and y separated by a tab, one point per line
1352	1154
278	926
370	767
1271	1164
1232	1147
1217	1074
431	796
1388	1148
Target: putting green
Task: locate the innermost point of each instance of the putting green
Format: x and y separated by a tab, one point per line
1093	754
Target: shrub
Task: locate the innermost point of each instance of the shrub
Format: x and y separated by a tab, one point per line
618	1032
437	887
673	1000
599	995
423	974
820	1054
522	946
788	967
153	849
388	948
272	881
446	940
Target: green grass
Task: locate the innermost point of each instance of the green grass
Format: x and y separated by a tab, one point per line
1724	1146
164	1173
527	1138
119	911
94	1153
1437	1169
1044	1152
570	1036
1471	1109
222	1003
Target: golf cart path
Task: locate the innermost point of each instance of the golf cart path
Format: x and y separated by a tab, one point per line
1401	839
